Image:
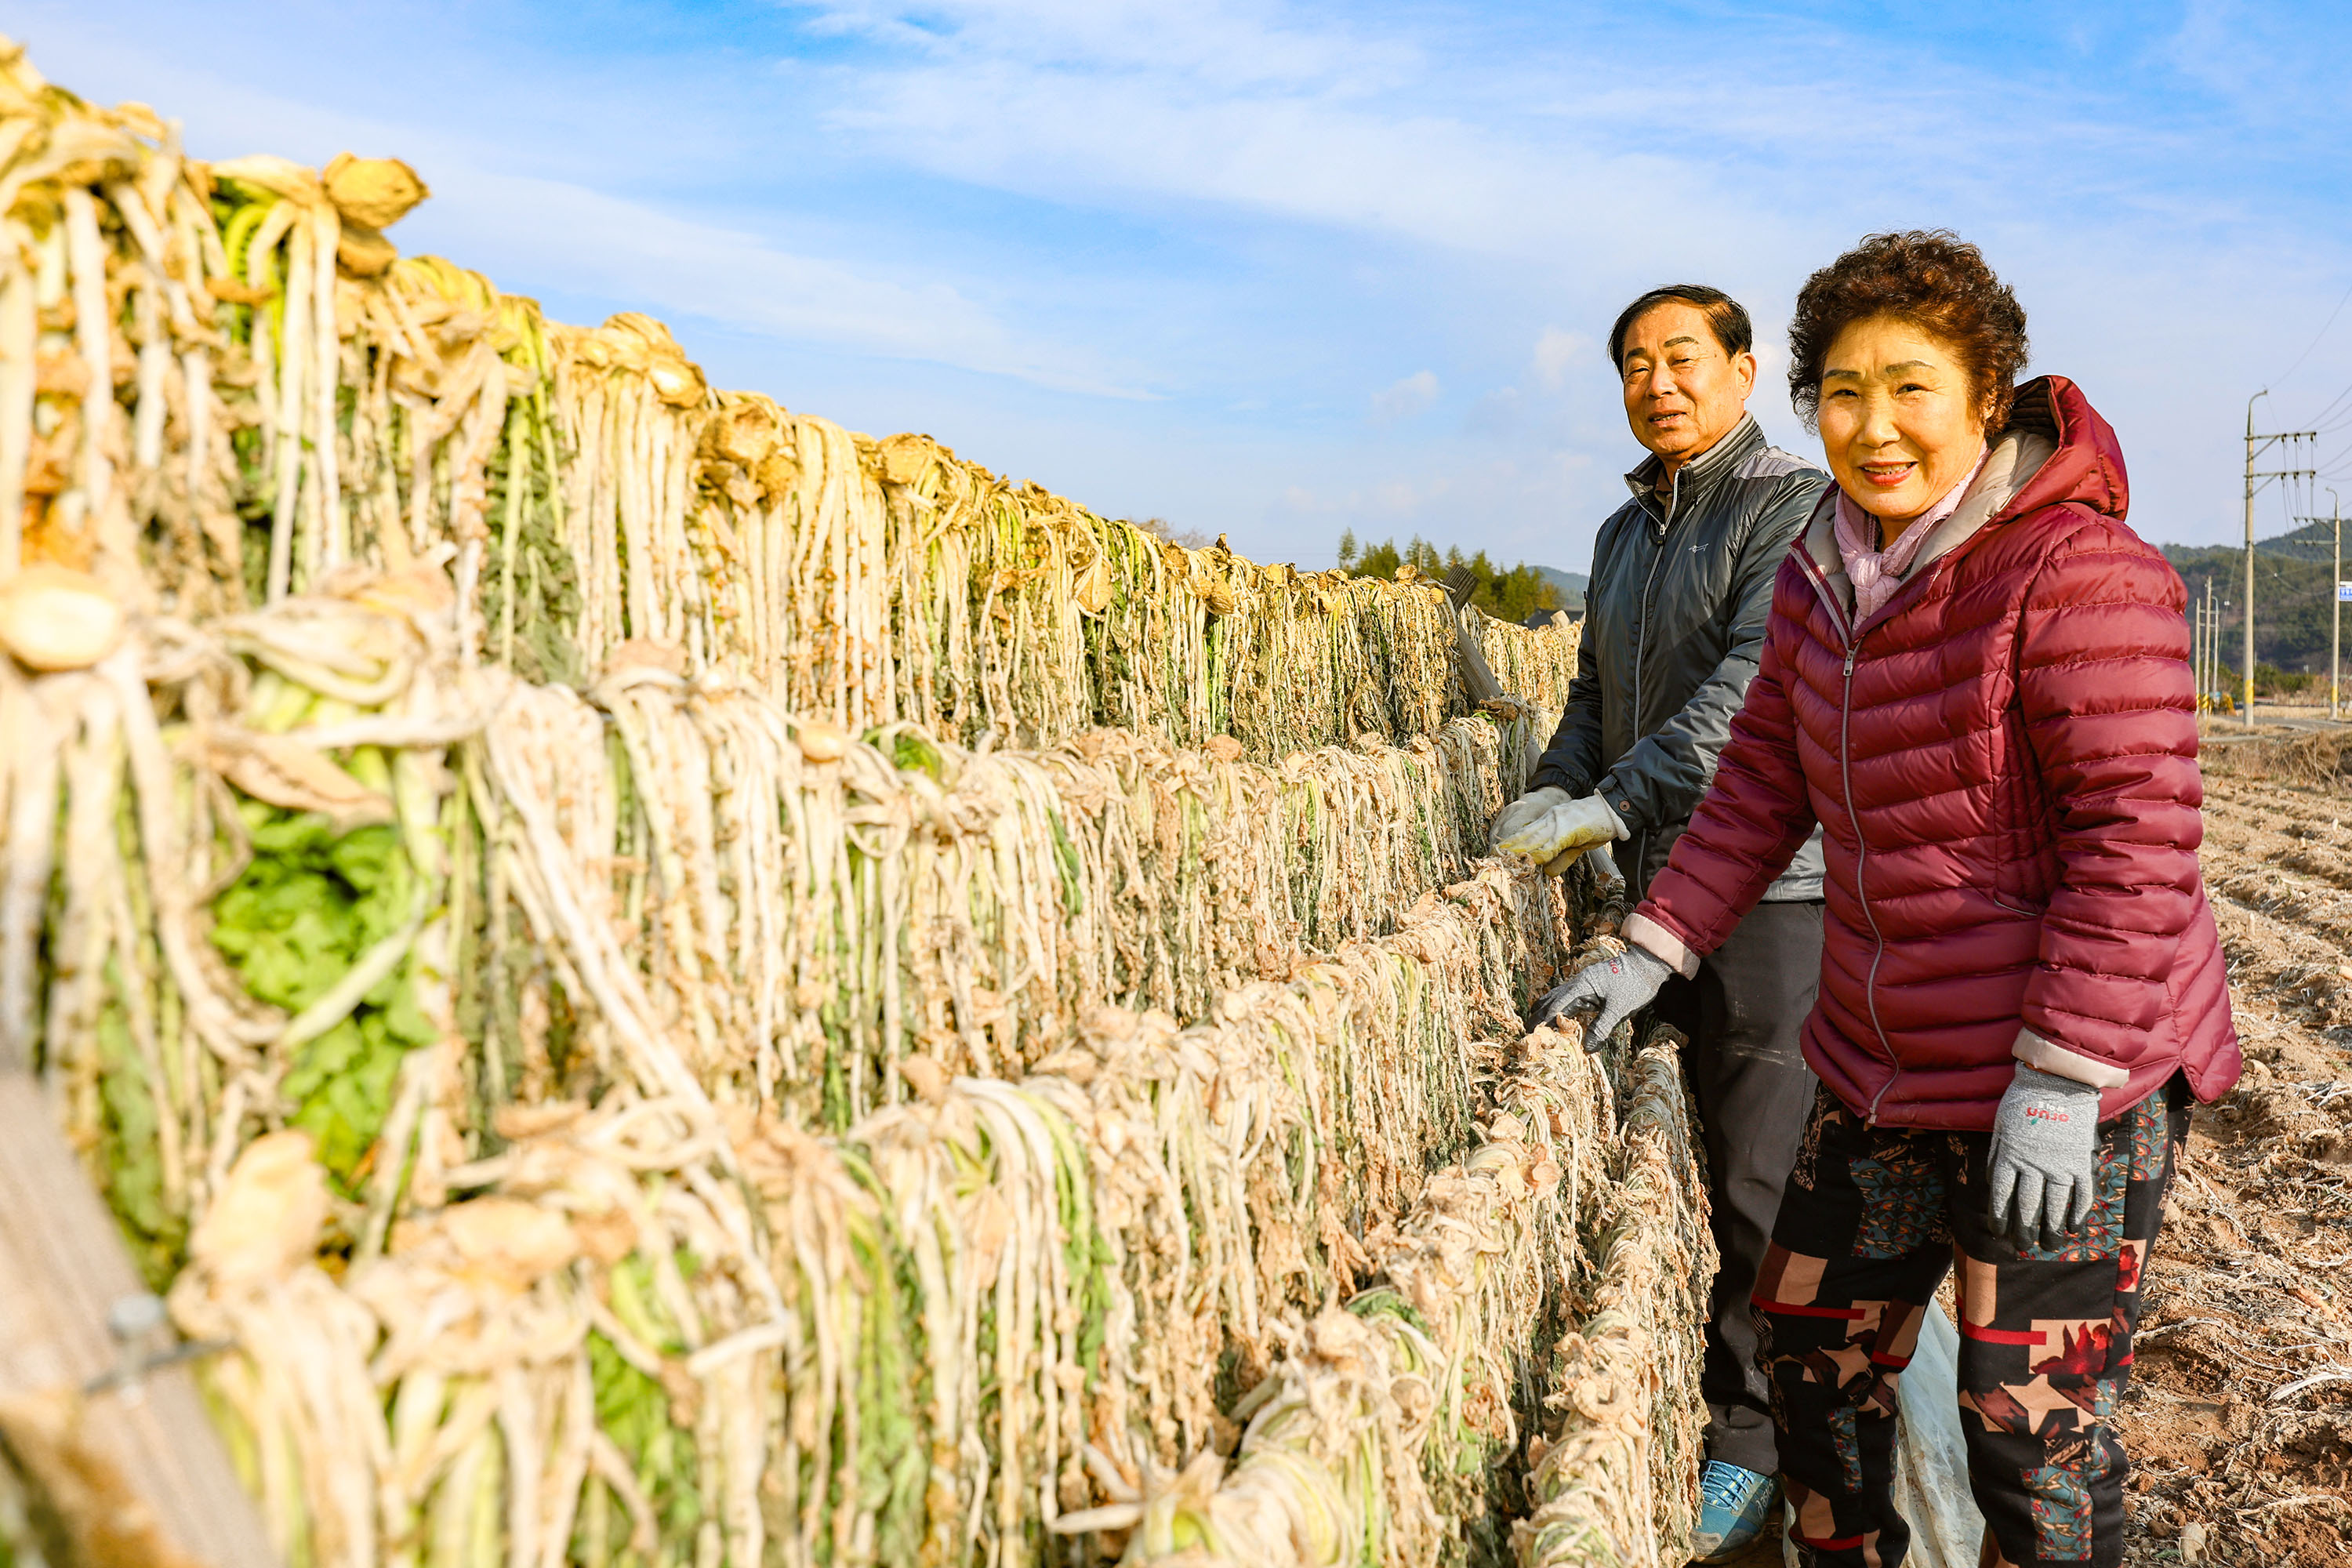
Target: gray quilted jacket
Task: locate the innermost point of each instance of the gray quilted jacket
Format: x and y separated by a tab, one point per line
1673	626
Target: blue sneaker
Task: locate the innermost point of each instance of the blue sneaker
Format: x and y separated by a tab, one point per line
1734	1506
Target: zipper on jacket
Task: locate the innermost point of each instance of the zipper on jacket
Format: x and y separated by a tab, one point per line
1853	635
1648	610
1861	862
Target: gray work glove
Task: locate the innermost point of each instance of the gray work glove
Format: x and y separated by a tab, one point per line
1550	828
1618	987
2045	1157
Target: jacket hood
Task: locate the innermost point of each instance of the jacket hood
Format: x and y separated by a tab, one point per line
2086	464
2055	450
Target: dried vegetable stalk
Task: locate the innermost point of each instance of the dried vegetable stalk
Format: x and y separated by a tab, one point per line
1616	1478
1371	1441
256	907
1263	1203
623	1339
219	384
230	901
815	908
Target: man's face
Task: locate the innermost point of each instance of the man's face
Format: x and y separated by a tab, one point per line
1683	393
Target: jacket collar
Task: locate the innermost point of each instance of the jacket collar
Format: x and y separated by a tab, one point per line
1700	476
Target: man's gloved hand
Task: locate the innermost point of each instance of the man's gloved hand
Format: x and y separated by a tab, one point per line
1523	813
2045	1157
1619	986
1559	825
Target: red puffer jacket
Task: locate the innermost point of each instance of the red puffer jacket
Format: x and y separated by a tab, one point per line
2004	760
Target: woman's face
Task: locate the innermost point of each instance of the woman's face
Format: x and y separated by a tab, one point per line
1897	423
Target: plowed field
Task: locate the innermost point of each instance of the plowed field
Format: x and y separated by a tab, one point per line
2238	1418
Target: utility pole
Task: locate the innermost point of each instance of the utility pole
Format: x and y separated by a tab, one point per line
2255	444
2214	611
2217	610
2212	645
2212	642
2197	645
2205	676
2214	606
2196	653
2335	606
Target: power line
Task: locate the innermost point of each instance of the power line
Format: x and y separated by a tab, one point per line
2320	421
2316	336
2336	405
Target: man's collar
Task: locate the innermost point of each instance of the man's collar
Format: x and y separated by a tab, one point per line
1643	480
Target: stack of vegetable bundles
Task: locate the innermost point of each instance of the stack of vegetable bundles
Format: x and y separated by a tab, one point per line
679	985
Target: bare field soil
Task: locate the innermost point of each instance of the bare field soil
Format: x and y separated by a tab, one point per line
2239	1417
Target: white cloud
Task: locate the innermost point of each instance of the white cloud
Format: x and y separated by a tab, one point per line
1557	351
1403	399
676	265
536	232
1228	45
1349	120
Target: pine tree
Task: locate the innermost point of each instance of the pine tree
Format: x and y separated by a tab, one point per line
1508	594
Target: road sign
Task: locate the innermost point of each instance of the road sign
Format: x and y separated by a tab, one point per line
2344	592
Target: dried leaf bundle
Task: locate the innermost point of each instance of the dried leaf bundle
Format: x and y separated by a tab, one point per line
927	1338
1372	1439
685	986
1616	1481
216	390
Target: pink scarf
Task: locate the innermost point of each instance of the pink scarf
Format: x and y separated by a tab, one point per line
1876	573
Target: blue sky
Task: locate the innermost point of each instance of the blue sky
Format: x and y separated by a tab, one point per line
1275	269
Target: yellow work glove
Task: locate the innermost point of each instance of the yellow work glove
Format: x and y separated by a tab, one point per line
1522	814
1546	823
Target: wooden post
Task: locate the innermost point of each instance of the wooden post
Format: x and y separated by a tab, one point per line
134	1471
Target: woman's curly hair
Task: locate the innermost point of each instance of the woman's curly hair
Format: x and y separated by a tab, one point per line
1930	278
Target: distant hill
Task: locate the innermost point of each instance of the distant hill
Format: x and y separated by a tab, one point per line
1569	586
2291	595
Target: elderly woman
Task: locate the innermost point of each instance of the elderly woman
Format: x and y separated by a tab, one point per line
1976	680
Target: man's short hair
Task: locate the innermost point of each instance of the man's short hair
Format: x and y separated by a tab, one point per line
1732	328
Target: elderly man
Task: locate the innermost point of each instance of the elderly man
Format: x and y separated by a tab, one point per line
1682	583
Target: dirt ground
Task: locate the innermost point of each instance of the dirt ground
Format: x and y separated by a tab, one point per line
2238	1418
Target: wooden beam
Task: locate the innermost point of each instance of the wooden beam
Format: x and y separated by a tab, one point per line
133	1471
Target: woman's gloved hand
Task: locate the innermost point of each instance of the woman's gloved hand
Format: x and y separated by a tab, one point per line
1619	986
1546	823
2044	1161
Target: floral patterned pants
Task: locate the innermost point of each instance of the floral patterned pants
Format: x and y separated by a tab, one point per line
1871	1220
